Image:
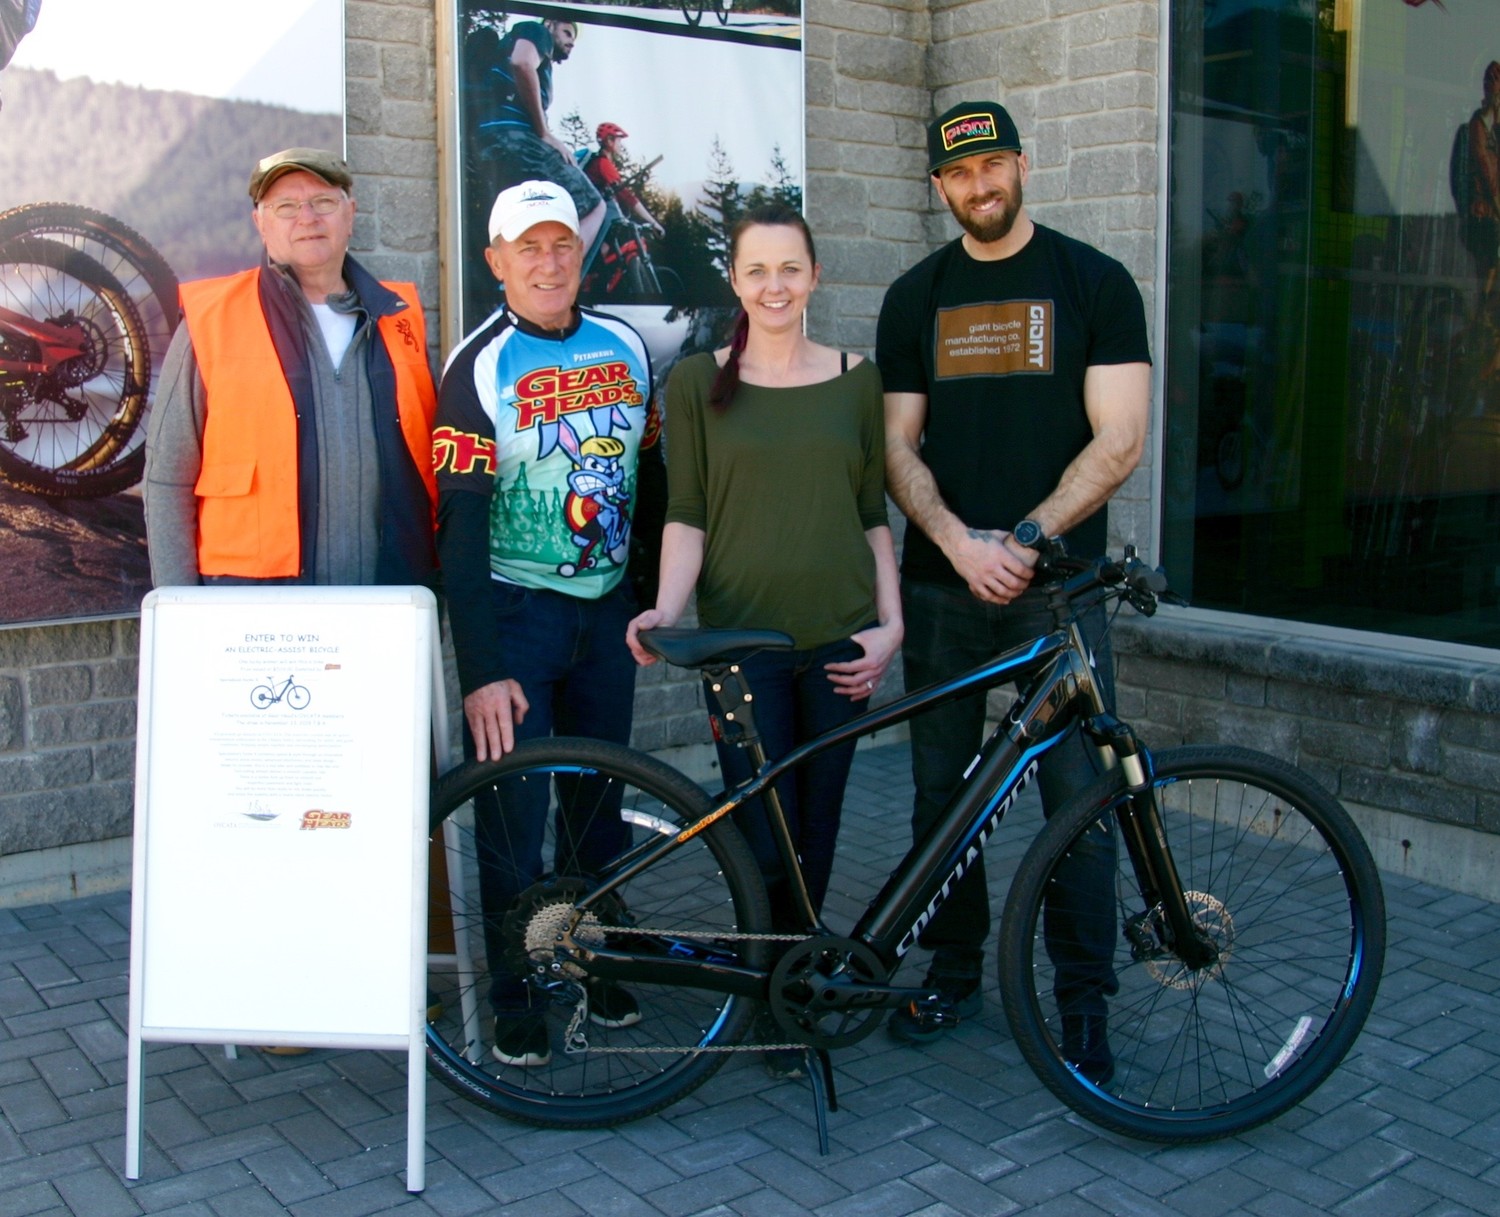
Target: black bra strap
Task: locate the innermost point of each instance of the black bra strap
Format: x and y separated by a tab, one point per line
843	361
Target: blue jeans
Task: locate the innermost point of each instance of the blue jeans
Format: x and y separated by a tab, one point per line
795	702
570	659
948	632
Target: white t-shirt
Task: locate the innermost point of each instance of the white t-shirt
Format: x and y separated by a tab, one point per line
338	331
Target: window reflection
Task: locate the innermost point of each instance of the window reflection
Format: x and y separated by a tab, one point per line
1333	392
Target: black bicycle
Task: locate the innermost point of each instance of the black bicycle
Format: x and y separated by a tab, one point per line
269	694
1233	956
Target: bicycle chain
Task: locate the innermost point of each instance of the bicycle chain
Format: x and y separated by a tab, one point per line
575	1042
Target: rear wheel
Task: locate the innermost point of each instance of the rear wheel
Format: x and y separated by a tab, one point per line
145	284
75	365
693	905
1276	876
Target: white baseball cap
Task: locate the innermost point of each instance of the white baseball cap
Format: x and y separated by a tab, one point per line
518	208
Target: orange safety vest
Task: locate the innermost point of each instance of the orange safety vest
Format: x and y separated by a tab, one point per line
248	521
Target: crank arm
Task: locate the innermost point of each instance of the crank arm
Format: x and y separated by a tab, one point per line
834	993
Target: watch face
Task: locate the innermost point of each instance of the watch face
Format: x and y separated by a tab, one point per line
1028	533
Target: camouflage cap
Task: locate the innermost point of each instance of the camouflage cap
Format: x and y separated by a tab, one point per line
314	160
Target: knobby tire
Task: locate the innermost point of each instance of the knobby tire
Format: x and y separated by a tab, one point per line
70	426
131	265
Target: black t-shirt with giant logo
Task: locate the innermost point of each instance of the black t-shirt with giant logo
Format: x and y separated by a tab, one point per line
1000	350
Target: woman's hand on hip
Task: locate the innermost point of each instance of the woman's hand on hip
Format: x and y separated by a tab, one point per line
857	678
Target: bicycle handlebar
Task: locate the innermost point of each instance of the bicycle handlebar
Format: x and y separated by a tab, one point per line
1072	578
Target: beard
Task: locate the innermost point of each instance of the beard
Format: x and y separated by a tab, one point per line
995	226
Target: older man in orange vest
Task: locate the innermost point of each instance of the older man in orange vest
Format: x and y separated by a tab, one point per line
291	436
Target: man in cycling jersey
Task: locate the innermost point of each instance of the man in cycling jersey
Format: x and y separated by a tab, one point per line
603	170
508	90
1017	393
542	422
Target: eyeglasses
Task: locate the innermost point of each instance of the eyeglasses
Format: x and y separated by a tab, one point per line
290	209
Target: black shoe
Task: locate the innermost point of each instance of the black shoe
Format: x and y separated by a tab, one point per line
1085	1046
612	1006
784	1064
521	1040
921	1022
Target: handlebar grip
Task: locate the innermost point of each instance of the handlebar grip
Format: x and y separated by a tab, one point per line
1148	579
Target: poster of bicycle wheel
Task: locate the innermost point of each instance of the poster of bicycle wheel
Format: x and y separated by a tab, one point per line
666	119
128	129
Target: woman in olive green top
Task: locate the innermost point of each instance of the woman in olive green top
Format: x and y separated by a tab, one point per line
776	479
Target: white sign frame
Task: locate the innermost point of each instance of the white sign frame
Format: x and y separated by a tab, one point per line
285	732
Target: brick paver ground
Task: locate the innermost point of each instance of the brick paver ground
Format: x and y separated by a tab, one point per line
1410	1124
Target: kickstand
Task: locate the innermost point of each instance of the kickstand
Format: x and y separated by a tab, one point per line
825	1099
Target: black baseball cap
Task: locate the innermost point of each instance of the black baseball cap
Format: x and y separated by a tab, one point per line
968	128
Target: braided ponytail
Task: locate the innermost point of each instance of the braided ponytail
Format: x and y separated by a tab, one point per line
727	382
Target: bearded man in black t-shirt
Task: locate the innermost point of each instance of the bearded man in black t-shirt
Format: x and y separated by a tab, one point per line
1017	394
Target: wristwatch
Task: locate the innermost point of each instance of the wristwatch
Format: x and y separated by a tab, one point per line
1029	533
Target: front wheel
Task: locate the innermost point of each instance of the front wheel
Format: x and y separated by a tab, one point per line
637	281
1281	883
543	809
297	697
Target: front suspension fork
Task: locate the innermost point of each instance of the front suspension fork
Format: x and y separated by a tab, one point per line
1160	886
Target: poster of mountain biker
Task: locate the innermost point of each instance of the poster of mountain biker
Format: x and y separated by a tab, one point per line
124	133
713	112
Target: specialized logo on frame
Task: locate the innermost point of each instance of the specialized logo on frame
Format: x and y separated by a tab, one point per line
1004	338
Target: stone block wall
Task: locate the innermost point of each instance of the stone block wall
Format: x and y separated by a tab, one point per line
1409	742
67	749
390	92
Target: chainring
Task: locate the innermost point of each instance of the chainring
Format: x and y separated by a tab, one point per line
818	1020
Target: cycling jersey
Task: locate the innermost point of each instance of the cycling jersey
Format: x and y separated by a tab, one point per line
605	174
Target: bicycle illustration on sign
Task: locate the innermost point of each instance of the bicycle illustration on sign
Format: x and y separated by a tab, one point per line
264	696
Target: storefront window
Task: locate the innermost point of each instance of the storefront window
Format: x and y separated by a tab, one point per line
1333	320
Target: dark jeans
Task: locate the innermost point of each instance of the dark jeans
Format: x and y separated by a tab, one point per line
570	658
948	632
795	702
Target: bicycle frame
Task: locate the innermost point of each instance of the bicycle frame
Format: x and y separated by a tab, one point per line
57	344
1058	688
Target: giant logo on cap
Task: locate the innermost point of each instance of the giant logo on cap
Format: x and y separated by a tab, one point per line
967	129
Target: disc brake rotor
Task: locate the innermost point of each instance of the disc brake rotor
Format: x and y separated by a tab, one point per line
1214	920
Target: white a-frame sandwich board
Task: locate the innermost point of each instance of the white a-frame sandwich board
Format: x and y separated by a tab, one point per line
281	802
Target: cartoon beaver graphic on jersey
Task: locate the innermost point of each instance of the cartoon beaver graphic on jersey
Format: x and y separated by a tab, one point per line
595	506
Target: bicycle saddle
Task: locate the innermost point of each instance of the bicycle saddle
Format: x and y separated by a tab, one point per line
711	648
